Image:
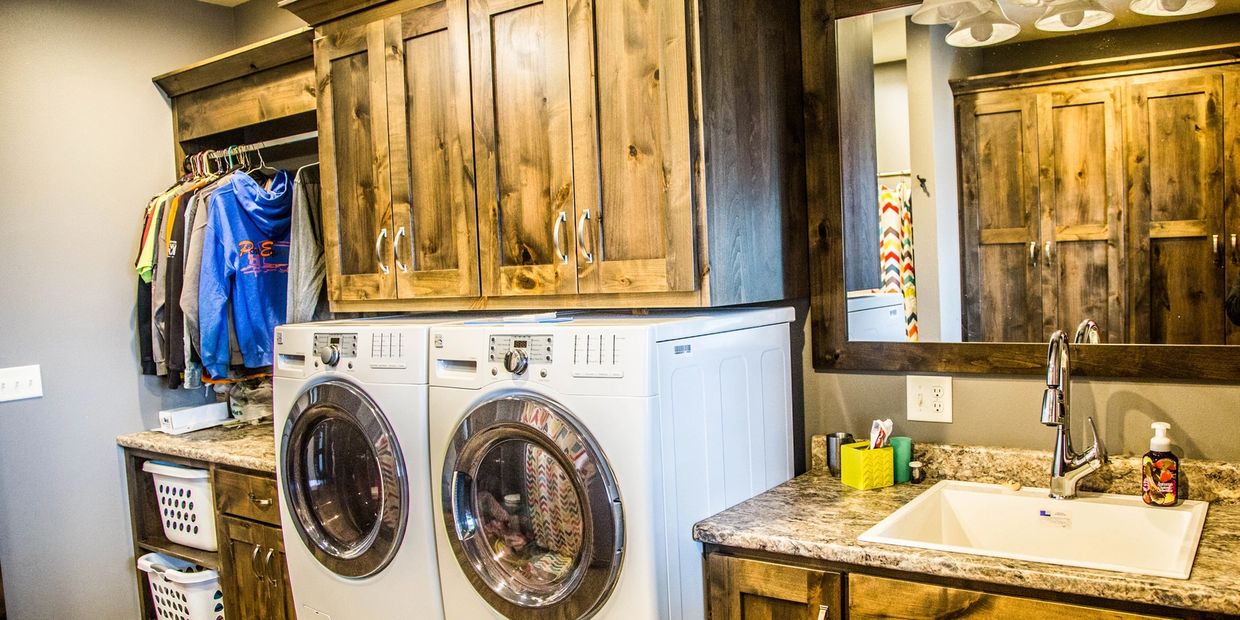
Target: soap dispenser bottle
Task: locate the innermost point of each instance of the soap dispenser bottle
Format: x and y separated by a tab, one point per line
1160	470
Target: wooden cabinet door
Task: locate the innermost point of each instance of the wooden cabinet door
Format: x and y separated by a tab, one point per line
743	589
432	153
878	597
1176	196
353	146
523	146
1080	199
1231	204
631	151
1000	220
254	571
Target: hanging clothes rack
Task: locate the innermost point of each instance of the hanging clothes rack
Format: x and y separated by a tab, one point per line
895	173
249	148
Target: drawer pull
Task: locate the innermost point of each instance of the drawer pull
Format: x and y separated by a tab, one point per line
268	572
261	502
822	612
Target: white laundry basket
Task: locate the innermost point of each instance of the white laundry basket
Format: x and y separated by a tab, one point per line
186	505
181	590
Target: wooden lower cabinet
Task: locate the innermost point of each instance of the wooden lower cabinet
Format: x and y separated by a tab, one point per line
256	579
747	585
744	589
879	597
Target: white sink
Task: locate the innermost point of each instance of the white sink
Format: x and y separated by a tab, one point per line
1110	532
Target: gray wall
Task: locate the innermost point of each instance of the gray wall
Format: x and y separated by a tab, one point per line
262	19
87	140
1003	411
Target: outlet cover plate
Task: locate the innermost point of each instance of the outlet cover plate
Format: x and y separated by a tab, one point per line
20	382
929	398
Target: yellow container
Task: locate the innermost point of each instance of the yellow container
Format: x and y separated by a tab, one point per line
863	468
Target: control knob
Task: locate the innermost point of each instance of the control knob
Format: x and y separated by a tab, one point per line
330	355
515	361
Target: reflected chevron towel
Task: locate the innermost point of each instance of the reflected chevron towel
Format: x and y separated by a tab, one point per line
896	251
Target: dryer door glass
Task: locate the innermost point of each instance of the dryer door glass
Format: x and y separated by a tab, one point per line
344	479
532	509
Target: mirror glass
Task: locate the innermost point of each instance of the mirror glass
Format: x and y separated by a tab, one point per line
1000	192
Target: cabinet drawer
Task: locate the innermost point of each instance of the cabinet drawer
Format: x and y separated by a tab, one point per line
877	597
249	496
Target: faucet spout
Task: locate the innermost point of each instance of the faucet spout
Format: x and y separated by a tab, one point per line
1068	467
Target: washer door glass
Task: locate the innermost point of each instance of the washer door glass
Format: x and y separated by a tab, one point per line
532	509
344	479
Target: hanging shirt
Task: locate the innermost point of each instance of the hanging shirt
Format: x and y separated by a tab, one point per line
306	266
245	264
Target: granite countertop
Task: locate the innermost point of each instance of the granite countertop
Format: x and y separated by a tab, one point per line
251	446
815	516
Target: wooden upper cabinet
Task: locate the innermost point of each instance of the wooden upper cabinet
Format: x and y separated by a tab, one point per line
630	83
523	147
354	157
432	154
561	153
1000	222
1176	196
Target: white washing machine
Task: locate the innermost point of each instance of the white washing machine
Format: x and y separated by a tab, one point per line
570	460
352	466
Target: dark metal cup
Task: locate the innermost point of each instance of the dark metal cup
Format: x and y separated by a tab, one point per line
834	442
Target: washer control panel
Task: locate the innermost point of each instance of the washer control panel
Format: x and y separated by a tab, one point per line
535	349
332	348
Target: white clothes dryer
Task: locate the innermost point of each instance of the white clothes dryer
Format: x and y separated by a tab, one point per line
350	405
571	459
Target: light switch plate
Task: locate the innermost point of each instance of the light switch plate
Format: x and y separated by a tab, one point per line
929	398
20	382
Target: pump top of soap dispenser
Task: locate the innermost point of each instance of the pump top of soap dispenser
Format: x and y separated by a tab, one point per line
1160	442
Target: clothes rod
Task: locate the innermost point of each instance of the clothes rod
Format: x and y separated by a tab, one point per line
247	148
897	173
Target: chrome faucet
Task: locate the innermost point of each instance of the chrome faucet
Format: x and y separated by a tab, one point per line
1087	333
1068	467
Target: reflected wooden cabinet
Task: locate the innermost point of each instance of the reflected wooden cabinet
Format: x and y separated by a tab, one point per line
1180	205
560	153
397	155
1100	198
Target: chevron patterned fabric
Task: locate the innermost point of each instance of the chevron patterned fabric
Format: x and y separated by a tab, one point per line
895	226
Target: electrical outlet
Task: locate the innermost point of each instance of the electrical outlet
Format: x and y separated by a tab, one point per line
20	382
929	398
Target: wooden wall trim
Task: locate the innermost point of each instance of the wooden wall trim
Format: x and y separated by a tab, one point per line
243	61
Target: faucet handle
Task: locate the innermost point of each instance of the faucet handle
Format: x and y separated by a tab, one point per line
1099	447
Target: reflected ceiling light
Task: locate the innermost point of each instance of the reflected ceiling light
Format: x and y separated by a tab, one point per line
1066	15
1170	8
989	28
933	12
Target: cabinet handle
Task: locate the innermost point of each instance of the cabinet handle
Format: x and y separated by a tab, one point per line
555	236
1033	253
261	502
1046	250
1235	251
254	561
379	250
822	612
581	236
1218	260
267	566
400	234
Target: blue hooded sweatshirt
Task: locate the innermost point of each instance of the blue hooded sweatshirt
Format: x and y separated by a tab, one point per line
245	265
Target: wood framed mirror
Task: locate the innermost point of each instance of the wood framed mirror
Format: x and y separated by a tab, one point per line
1133	251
